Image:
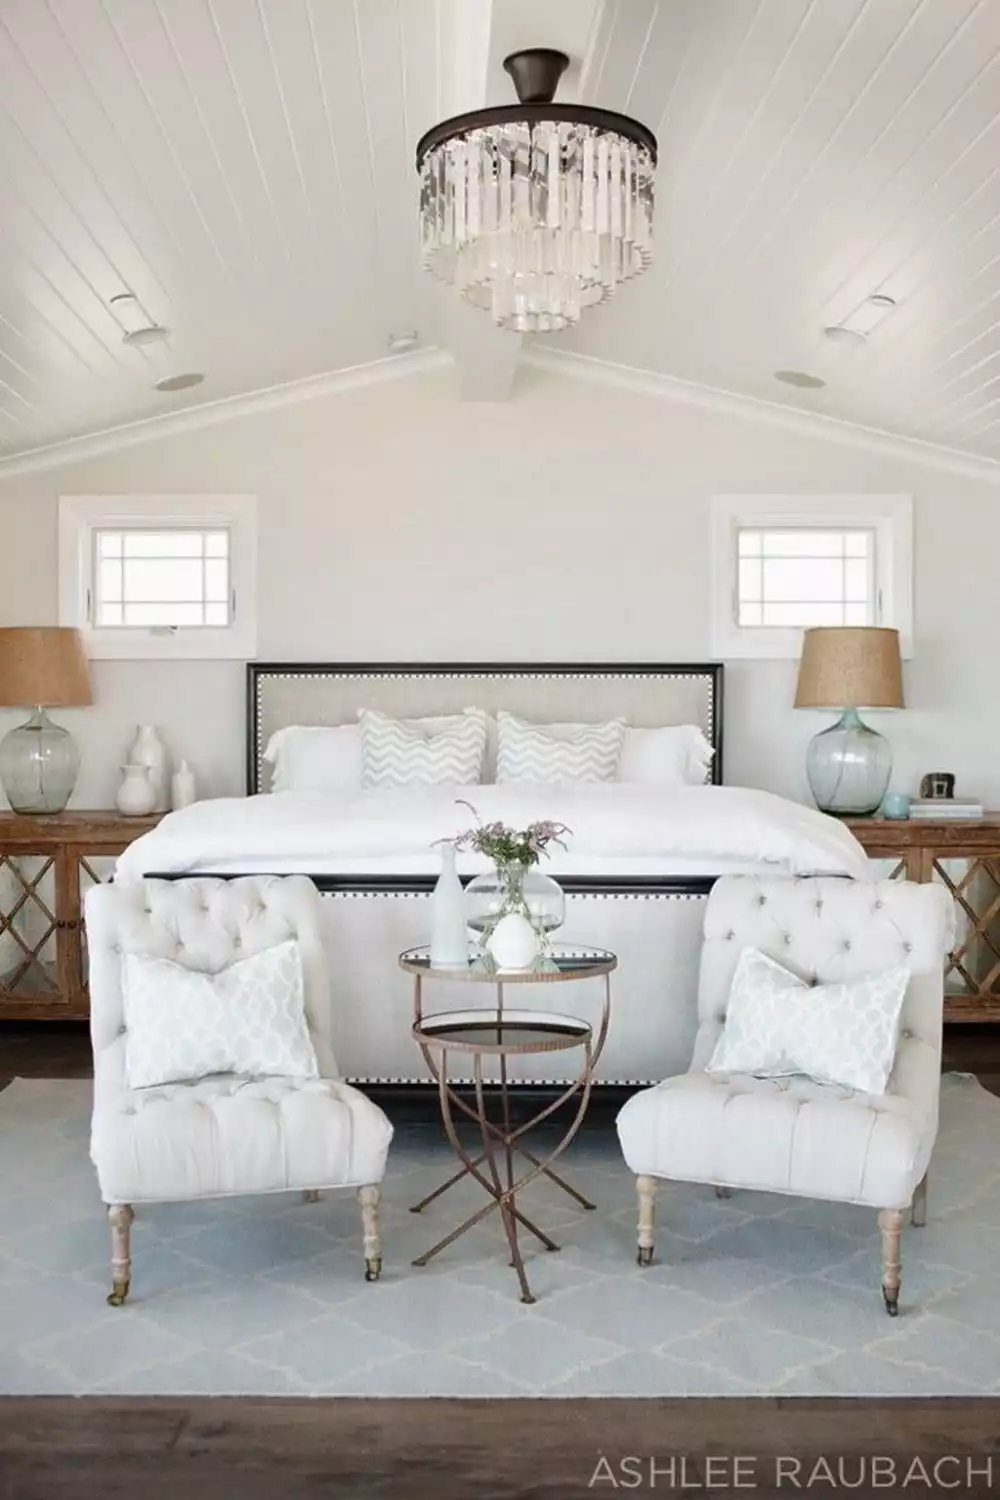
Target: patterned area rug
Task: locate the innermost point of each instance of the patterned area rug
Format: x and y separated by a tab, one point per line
265	1296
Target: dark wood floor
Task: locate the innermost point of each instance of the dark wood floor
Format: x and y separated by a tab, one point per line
492	1450
251	1449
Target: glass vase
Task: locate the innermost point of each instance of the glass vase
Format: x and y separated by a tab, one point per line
513	887
39	761
848	766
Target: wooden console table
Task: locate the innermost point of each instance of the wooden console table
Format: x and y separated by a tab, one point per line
965	857
46	866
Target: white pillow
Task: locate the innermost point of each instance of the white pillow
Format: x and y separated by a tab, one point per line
181	1024
675	755
315	758
558	752
325	757
411	752
844	1033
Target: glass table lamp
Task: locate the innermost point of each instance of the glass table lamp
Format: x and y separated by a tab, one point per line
847	668
44	666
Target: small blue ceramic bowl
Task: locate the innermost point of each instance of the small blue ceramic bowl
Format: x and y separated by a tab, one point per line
896	805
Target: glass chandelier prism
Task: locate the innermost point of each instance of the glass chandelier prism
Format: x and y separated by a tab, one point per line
536	210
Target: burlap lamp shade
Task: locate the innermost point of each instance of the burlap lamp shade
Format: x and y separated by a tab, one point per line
44	665
849	667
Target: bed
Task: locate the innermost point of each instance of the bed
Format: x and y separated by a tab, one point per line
636	872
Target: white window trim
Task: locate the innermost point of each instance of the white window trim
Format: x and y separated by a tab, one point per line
889	516
80	516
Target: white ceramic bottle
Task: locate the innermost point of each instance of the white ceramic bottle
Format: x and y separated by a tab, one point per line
449	933
136	795
149	750
182	786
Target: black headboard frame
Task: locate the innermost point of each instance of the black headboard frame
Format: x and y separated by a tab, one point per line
260	674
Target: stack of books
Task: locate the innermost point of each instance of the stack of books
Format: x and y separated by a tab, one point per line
942	809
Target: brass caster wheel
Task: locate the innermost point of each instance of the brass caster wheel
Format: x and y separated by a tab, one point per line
118	1293
644	1255
891	1303
373	1268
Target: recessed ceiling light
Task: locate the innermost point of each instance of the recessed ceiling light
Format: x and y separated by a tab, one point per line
178	382
839	334
799	378
403	342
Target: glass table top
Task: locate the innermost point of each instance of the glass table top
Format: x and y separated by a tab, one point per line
563	961
488	1031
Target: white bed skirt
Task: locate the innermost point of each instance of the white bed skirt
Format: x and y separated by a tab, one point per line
657	938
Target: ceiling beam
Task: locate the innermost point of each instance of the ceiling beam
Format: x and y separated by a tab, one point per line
485	356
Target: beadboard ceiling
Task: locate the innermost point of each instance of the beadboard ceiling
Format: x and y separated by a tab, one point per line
245	169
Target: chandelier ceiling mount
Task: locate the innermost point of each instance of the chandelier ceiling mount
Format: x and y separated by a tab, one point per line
536	73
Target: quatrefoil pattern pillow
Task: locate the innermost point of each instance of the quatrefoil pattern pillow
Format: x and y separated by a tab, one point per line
181	1024
777	1025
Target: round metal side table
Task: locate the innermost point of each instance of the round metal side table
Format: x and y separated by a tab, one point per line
477	1036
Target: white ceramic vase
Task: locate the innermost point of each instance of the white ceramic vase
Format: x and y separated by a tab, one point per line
136	795
449	934
149	750
513	942
182	786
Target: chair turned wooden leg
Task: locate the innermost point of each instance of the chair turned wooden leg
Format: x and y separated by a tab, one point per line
890	1222
310	1195
369	1197
646	1189
918	1211
120	1218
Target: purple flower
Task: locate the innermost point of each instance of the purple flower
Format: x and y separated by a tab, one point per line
506	845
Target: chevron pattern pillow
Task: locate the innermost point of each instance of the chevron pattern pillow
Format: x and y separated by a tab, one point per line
525	752
406	752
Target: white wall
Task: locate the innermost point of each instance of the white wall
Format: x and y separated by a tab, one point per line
570	523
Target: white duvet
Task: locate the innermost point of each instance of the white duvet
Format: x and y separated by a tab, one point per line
720	828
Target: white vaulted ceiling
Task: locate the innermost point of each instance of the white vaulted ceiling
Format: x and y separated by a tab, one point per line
245	169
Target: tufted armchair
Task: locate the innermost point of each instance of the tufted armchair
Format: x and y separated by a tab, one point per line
225	1134
791	1135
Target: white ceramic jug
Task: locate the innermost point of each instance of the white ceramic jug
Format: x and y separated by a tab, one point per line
136	795
513	942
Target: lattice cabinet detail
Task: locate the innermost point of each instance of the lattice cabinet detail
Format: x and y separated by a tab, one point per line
46	867
964	857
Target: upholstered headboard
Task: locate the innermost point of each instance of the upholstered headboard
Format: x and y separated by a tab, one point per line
281	693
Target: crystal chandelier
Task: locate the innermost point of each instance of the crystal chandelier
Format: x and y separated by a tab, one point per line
536	210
